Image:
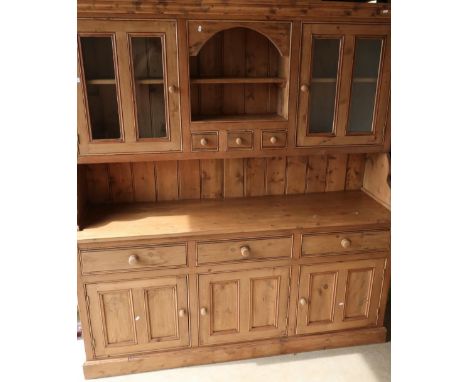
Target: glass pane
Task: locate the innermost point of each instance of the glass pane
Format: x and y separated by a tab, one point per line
325	58
98	64
364	84
149	86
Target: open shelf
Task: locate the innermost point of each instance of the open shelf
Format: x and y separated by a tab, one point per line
239	80
150	81
101	81
332	80
238	118
259	214
238	74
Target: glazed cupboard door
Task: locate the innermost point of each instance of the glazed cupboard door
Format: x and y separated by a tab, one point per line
344	85
128	89
135	316
339	296
243	306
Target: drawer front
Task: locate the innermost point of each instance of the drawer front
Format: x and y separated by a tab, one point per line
124	259
239	140
244	250
273	139
205	142
344	242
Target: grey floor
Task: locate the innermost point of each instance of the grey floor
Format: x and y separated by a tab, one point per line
369	363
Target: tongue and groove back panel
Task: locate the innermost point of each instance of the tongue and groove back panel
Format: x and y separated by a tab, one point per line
222	178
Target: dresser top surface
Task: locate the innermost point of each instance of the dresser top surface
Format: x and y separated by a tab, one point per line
312	212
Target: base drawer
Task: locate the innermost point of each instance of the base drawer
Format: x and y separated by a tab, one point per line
343	242
133	258
244	249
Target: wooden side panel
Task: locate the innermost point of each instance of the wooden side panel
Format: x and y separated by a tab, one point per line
376	181
211	178
144	181
121	182
166	180
355	171
189	179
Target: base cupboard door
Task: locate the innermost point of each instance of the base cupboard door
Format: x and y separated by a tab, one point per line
140	315
339	296
243	305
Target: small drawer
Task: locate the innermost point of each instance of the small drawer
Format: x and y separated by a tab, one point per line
205	142
125	259
274	139
344	242
244	249
239	140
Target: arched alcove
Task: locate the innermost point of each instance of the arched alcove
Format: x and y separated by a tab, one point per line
238	73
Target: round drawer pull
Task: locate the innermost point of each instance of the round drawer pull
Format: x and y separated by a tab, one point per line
238	141
182	312
273	139
133	259
172	89
305	88
203	311
303	301
203	141
341	304
345	243
245	251
137	318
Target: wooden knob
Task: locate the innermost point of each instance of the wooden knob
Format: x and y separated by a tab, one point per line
238	141
172	89
304	88
182	312
133	259
345	243
303	301
273	139
203	311
203	142
245	251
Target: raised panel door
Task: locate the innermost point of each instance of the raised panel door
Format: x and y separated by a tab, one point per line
339	296
243	305
141	315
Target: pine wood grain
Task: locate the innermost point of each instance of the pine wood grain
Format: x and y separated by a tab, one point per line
174	219
189	179
211	178
121	182
144	181
166	180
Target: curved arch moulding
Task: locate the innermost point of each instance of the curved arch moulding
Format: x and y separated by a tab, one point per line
199	32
